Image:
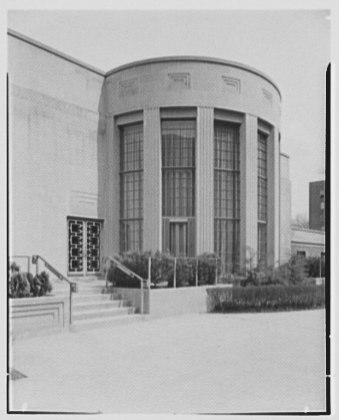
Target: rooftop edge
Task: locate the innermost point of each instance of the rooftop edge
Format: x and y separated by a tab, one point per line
301	229
193	58
55	52
183	58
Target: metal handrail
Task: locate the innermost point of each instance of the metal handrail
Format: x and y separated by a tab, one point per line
132	274
196	260
72	285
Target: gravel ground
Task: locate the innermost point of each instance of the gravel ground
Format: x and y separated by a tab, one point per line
203	363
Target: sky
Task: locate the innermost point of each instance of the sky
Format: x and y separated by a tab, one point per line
291	46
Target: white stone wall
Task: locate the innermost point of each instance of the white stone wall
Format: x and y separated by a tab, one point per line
56	150
64	146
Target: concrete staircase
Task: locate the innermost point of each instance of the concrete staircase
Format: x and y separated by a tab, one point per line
92	308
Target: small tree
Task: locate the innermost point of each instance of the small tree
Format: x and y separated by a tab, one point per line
301	221
292	272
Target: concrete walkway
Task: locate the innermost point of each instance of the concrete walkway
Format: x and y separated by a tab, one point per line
204	363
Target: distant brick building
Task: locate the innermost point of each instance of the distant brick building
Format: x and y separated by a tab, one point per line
317	205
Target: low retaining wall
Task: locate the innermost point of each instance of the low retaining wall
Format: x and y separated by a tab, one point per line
179	301
169	301
133	296
35	315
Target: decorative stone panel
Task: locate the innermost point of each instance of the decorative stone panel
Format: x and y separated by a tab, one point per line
231	84
178	81
267	96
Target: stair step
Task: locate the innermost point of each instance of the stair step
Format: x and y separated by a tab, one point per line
99	304
94	309
105	322
90	297
93	288
81	296
87	290
97	313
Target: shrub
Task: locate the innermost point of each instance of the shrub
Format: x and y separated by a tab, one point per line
41	285
23	284
162	270
207	266
312	267
266	298
185	272
20	285
136	262
292	272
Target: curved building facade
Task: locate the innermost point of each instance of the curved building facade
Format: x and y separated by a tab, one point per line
176	154
198	140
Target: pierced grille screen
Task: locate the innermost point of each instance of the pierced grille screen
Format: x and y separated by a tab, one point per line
75	246
84	246
93	247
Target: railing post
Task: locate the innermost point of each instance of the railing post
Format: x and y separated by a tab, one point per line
70	303
37	266
149	272
320	266
129	272
175	273
196	272
142	299
106	273
216	271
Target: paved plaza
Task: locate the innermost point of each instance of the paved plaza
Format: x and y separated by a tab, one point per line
203	363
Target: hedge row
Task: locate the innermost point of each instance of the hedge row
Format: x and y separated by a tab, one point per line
266	298
162	270
296	271
202	270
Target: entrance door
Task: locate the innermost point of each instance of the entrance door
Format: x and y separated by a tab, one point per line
178	239
84	246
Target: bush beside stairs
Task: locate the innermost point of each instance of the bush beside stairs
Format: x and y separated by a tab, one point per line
94	307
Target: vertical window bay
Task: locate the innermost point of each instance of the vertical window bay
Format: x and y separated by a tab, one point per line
178	186
227	195
262	198
131	187
178	168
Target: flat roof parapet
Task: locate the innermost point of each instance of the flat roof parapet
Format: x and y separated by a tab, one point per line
192	58
183	58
